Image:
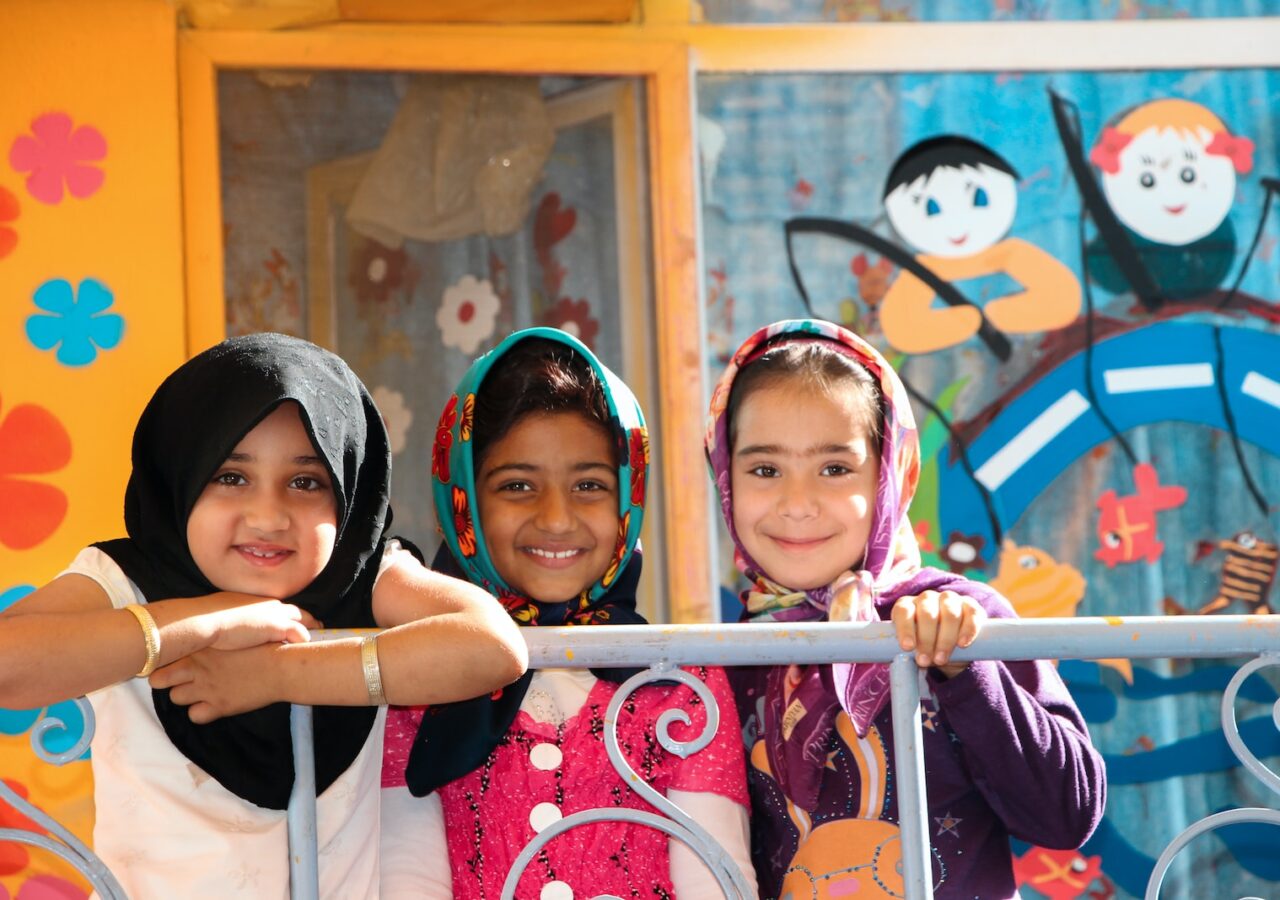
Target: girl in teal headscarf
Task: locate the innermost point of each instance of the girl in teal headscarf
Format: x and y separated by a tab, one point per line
539	474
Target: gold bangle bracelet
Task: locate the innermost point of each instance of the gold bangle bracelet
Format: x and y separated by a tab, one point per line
150	634
372	670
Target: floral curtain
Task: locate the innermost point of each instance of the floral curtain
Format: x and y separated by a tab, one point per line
409	319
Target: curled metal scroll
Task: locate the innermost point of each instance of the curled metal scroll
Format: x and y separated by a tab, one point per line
63	844
1247	815
674	822
51	723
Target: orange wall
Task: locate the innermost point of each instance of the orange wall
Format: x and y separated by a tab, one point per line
110	66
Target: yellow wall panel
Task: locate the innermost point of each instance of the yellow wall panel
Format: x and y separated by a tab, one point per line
108	67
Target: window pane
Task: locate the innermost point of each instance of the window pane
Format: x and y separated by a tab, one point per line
411	221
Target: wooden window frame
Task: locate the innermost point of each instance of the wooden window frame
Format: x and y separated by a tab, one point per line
665	68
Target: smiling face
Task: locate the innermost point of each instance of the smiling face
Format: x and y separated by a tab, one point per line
548	497
954	212
1168	189
266	522
804	476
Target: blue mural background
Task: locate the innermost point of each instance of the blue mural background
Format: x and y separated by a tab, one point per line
778	11
776	147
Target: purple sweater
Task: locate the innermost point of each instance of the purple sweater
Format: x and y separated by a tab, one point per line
1006	753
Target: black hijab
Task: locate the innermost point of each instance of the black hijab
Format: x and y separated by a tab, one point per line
192	423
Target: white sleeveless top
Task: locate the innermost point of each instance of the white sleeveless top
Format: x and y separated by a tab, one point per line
167	829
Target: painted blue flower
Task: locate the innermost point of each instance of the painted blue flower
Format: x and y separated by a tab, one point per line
16	721
19	721
14	594
75	323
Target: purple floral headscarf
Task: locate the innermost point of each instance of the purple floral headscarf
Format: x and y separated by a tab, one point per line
807	699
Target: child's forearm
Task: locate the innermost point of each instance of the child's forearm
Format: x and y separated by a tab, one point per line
447	638
49	657
66	640
450	657
436	660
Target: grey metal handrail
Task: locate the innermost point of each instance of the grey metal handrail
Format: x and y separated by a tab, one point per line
663	648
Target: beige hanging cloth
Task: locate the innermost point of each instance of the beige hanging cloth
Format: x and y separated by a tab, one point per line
461	157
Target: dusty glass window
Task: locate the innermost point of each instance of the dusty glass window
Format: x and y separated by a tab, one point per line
410	221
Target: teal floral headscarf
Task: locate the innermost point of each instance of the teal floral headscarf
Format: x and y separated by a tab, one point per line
455	738
453	483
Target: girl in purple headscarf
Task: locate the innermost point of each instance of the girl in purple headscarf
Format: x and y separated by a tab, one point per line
815	455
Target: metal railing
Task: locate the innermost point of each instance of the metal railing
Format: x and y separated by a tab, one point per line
663	648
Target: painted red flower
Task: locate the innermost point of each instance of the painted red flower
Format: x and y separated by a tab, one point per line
32	442
573	316
551	225
377	271
444	440
13	856
462	524
639	453
8	213
55	154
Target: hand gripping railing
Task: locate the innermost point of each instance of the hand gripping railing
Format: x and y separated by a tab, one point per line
665	647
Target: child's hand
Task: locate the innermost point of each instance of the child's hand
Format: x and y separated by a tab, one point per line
933	624
247	621
218	683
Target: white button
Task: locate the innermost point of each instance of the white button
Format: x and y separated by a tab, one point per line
546	757
556	890
544	814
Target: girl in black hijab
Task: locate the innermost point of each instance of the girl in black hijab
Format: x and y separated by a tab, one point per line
257	508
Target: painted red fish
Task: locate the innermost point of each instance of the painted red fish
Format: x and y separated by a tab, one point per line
1127	525
1057	874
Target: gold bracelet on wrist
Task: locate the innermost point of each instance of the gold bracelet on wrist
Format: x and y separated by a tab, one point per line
372	671
150	634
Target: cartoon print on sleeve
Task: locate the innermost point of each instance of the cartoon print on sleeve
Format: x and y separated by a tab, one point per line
841	857
954	200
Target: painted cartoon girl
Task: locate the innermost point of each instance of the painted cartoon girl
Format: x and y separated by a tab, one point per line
1168	170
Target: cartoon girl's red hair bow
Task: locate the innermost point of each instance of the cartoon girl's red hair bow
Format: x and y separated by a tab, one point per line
1237	149
1106	153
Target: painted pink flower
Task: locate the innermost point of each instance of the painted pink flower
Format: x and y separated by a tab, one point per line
14	856
49	887
56	153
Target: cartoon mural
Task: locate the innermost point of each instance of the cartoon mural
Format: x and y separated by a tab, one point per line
954	201
1127	525
1169	171
1248	572
1076	460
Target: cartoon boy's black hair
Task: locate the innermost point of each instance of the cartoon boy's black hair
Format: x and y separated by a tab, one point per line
945	150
